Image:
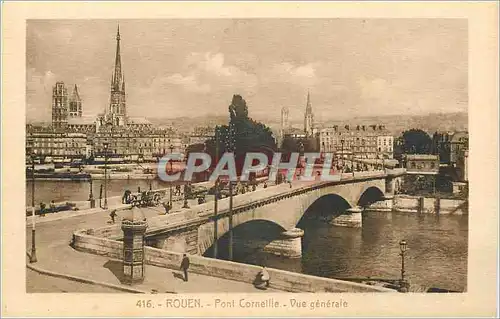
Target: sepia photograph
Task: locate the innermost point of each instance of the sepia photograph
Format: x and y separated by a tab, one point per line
106	100
259	156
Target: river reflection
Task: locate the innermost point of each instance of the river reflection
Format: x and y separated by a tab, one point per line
437	255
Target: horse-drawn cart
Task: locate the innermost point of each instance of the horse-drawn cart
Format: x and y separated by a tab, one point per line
146	199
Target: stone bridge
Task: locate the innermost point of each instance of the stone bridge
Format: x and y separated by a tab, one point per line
193	230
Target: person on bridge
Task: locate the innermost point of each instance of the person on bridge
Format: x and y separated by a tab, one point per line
42	209
113	215
126	197
167	207
185	266
52	206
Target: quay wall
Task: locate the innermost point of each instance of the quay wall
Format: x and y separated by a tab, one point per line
429	205
85	241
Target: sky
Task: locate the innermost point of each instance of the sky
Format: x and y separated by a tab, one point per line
179	67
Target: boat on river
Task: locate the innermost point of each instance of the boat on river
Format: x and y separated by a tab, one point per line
71	176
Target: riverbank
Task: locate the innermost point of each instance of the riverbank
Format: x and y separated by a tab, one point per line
430	205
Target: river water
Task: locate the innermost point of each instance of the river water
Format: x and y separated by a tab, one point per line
437	255
61	191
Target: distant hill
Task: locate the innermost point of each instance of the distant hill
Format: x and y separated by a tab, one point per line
396	124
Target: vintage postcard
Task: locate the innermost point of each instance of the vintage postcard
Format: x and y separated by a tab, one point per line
249	159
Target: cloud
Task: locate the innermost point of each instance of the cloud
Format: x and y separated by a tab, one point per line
212	63
61	34
189	83
205	71
374	89
38	94
285	72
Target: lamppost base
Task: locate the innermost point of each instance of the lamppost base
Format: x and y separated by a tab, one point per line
33	247
33	256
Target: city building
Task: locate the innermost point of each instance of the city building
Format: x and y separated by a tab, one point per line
463	165
200	135
449	145
421	164
360	141
131	145
50	143
385	145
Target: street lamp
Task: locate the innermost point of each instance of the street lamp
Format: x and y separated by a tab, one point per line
403	246
342	155
171	170
185	196
232	149
91	194
216	192
105	144
33	258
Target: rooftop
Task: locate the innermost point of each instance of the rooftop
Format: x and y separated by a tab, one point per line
84	120
422	157
138	120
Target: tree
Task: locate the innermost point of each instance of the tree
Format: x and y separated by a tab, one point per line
415	141
289	145
241	135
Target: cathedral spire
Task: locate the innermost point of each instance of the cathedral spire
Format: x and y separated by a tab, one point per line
117	78
75	96
117	106
308	105
308	117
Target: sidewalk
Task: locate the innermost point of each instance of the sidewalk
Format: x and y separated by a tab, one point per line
68	262
55	255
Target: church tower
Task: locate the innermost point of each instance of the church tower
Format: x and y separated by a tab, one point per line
117	112
59	105
308	117
75	104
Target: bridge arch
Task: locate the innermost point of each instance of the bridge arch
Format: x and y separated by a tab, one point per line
248	237
370	195
326	206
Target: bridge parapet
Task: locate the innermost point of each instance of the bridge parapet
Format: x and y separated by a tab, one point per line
395	171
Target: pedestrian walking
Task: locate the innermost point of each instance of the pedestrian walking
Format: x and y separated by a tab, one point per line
185	266
52	206
113	215
265	184
42	209
167	207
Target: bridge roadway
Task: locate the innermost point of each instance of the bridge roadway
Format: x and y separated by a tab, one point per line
192	229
